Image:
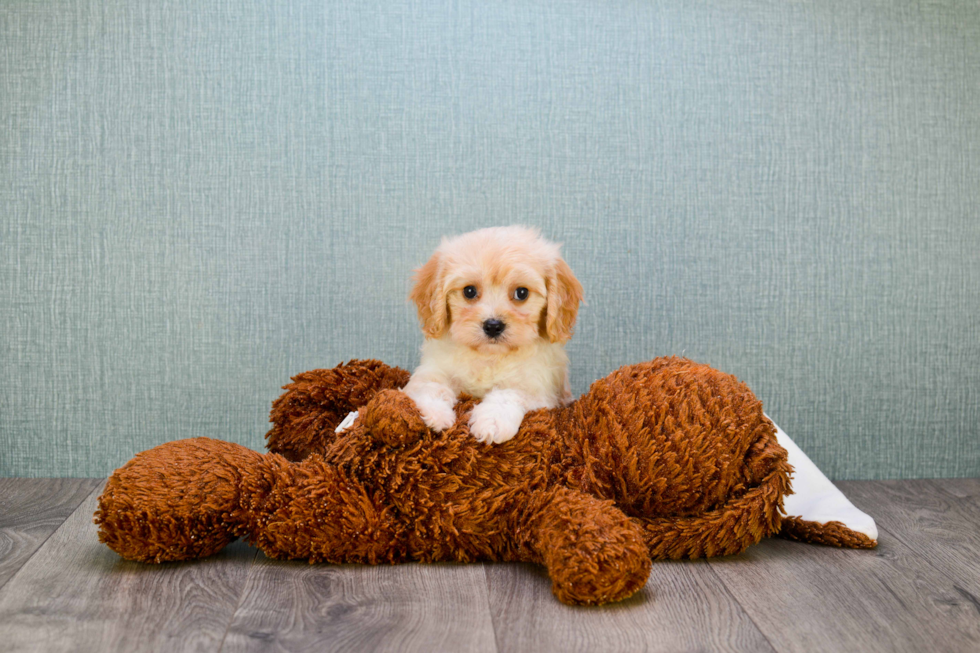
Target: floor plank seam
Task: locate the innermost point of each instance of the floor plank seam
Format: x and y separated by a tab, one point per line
238	605
97	488
939	570
912	551
968	596
493	622
745	610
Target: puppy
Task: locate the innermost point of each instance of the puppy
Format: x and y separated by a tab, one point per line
496	306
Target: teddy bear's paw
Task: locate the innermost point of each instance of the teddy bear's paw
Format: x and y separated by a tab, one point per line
438	415
588	578
493	422
594	553
391	417
601	564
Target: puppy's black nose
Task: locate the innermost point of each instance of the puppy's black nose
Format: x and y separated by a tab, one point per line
493	327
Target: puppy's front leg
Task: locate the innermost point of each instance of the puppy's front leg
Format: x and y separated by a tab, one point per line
498	417
435	400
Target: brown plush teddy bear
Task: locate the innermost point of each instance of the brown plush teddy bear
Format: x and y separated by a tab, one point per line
665	459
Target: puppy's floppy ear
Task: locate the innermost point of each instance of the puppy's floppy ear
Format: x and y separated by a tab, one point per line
429	298
564	295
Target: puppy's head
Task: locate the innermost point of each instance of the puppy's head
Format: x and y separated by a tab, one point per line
497	289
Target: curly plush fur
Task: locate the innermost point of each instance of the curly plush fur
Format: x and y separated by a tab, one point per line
665	459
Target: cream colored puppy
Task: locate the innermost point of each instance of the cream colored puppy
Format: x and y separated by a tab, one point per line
496	306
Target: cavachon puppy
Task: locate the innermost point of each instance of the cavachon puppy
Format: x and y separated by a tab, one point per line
497	306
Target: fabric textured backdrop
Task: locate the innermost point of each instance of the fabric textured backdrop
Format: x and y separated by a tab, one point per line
199	199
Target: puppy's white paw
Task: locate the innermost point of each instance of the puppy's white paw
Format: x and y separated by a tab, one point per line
438	415
493	422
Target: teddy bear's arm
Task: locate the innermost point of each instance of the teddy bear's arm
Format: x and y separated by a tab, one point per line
305	416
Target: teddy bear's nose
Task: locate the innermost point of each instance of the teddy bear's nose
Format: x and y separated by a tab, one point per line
493	327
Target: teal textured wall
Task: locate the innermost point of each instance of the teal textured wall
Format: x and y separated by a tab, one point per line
200	198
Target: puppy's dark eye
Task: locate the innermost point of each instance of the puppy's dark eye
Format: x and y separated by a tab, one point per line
521	294
469	292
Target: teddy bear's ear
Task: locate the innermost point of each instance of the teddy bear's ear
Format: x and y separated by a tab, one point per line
430	298
564	295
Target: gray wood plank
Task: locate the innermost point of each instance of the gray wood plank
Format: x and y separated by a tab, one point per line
814	598
682	607
938	519
30	510
965	489
74	594
294	606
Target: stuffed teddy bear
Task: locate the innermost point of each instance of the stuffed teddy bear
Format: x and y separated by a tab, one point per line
664	459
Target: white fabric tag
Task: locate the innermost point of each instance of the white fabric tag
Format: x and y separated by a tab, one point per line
815	498
346	424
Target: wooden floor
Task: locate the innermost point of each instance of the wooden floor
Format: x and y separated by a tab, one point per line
60	590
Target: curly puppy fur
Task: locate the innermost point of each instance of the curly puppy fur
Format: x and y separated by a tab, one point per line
665	459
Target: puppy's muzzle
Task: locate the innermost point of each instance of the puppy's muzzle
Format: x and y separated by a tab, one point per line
493	327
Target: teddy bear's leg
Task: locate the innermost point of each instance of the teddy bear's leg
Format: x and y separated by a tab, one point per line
728	530
592	551
305	417
731	527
